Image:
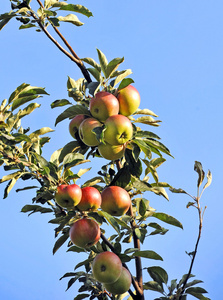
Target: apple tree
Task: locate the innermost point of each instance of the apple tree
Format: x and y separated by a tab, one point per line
108	217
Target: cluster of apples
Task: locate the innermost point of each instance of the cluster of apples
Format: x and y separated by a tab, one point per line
111	112
85	232
107	268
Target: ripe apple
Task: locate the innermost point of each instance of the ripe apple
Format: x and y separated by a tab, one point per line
115	200
75	124
104	105
68	196
129	100
85	233
121	285
90	200
106	267
118	130
85	131
111	152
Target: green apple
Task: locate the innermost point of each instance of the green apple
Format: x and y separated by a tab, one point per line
115	200
86	134
104	105
75	124
111	152
106	267
85	233
68	196
118	130
90	200
121	285
129	100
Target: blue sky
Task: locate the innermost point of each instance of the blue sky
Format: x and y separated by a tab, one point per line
175	50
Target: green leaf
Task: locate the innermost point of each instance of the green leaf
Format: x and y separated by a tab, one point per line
74	7
209	180
95	73
198	168
120	76
25	93
35	208
158	145
111	220
168	219
177	191
193	282
93	63
60	241
135	167
146	134
141	185
145	111
143	146
154	286
9	186
10	176
148	254
81	296
29	25
142	207
75	249
158	274
196	290
70	147
113	65
71	112
103	61
122	178
59	103
71	19
125	82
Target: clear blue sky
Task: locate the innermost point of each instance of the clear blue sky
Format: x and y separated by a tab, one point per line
175	50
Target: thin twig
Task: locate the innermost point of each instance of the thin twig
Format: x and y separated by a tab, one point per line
73	56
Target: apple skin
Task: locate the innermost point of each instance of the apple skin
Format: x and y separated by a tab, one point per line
115	200
75	124
129	100
118	130
106	267
111	152
85	131
85	233
68	196
104	105
90	200
121	285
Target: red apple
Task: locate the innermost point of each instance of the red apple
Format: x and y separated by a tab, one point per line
106	267
104	105
68	196
75	124
85	233
121	285
115	200
90	200
129	100
111	152
85	131
118	130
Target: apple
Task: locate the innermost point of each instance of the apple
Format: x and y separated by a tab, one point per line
111	152
68	196
106	267
85	131
118	130
75	124
121	285
85	233
129	100
90	200
104	105
115	200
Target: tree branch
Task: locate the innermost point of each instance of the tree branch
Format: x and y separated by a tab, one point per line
73	56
